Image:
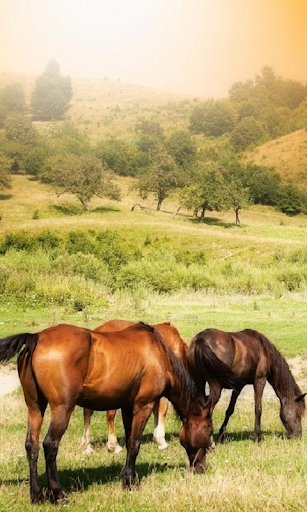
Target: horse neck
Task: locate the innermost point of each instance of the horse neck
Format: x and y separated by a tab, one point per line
280	377
185	399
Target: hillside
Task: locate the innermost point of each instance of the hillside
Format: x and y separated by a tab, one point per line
102	107
287	154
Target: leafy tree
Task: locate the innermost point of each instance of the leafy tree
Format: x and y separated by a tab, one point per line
20	129
51	94
206	192
237	194
263	183
22	144
5	178
213	118
291	199
162	177
82	176
119	156
180	145
12	101
248	131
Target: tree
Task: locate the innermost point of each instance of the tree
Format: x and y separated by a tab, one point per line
5	178
248	131
12	101
237	194
51	94
180	145
213	118
82	176
207	191
160	178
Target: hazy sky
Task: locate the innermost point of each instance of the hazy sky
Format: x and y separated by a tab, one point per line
199	47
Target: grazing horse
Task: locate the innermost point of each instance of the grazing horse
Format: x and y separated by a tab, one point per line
232	360
65	366
176	343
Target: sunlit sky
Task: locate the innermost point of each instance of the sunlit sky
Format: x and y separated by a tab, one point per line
198	47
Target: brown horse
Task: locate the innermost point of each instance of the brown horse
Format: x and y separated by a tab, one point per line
232	360
176	343
65	366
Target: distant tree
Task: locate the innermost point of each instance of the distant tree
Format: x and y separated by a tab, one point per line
82	176
263	183
181	146
52	94
5	178
12	101
162	177
19	128
213	118
248	132
237	194
149	127
120	156
291	199
206	192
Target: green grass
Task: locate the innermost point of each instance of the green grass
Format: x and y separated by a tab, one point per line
241	476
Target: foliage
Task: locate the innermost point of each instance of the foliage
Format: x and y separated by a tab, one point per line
213	118
161	178
291	199
82	176
5	178
247	133
119	156
12	101
181	146
52	94
20	129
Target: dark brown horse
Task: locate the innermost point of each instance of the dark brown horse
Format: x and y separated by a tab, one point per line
232	360
176	343
65	366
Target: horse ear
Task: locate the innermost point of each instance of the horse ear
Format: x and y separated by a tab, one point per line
300	397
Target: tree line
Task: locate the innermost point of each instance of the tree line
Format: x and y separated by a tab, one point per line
201	164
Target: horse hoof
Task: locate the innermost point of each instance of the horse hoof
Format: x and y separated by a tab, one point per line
163	446
88	450
114	449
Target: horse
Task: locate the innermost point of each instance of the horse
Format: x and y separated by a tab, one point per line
176	343
66	365
232	360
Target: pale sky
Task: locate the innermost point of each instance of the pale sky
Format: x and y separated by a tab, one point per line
198	47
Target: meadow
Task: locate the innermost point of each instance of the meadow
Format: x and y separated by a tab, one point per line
58	264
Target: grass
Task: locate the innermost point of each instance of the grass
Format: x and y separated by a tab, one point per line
241	476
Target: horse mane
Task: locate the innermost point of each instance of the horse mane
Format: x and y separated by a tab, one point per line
188	390
280	376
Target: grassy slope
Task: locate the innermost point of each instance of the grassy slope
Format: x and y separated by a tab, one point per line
288	154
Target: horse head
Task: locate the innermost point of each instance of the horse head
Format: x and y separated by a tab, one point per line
291	412
195	436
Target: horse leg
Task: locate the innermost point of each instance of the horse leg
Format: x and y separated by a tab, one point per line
134	423
112	443
85	440
258	392
213	398
35	420
160	411
60	417
230	410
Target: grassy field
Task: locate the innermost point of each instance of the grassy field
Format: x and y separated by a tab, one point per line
241	476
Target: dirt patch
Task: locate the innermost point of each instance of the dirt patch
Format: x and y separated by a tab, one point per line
9	380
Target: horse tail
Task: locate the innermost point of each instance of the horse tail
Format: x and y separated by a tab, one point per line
12	345
209	366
